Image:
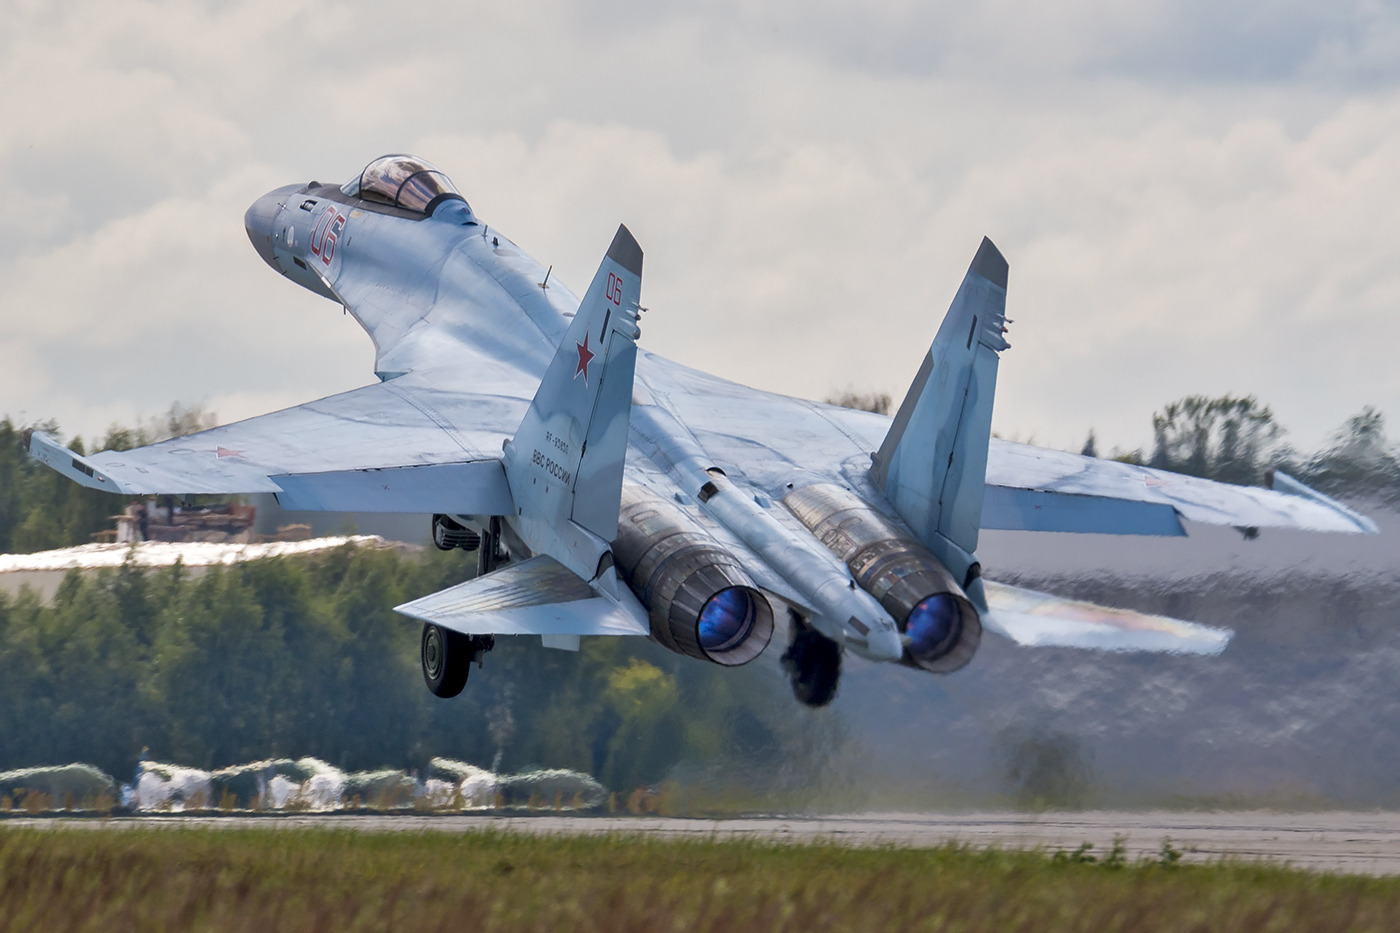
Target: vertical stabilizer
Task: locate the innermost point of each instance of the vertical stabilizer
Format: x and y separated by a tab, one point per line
567	457
933	463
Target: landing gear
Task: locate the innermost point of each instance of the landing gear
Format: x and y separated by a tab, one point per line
448	534
488	554
448	657
813	662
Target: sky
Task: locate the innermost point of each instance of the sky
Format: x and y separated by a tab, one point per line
1194	197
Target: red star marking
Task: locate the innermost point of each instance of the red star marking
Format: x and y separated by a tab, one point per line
222	452
585	356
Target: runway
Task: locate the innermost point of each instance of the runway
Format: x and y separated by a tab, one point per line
1349	842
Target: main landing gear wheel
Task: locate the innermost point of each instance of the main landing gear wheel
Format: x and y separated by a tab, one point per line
447	659
813	663
448	534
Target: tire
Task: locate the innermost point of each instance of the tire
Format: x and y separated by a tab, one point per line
441	536
447	660
448	535
813	662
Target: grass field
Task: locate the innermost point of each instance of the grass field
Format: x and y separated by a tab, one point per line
233	879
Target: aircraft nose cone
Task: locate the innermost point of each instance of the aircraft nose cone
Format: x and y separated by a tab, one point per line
261	219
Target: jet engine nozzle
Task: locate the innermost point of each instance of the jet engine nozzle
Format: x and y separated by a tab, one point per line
700	600
938	624
261	222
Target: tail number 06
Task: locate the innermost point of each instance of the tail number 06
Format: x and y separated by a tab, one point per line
323	238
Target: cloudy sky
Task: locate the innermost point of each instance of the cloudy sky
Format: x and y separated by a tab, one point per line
1193	196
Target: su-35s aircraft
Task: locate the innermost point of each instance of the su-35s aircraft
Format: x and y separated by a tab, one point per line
609	491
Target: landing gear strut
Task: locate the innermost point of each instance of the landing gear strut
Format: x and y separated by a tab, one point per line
448	657
813	662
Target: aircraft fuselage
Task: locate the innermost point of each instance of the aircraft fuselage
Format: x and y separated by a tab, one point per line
393	269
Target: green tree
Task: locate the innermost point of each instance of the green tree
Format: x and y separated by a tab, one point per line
88	666
303	656
1360	460
647	740
26	716
1225	438
217	669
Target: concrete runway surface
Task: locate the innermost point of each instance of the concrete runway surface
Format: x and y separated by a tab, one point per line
1350	842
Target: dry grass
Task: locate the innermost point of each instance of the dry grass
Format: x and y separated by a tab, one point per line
259	879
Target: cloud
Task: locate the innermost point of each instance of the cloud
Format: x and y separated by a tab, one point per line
1197	43
1192	198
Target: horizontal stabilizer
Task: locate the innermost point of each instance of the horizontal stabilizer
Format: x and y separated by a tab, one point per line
1040	620
538	596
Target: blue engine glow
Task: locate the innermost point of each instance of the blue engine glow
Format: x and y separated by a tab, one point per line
930	623
726	619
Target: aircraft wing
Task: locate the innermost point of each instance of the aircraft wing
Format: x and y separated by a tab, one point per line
767	438
431	442
1030	488
406	445
412	444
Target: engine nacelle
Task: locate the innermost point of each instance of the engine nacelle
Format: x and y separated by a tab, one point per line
940	624
701	601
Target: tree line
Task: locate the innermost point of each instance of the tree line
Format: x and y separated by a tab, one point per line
291	657
1236	439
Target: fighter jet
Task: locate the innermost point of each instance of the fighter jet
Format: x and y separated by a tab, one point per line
609	491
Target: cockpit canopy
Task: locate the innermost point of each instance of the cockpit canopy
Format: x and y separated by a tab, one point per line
403	181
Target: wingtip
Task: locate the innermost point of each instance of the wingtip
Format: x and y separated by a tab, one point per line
625	251
989	263
1280	481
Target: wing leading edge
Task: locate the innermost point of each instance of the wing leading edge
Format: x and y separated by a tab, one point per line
401	446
